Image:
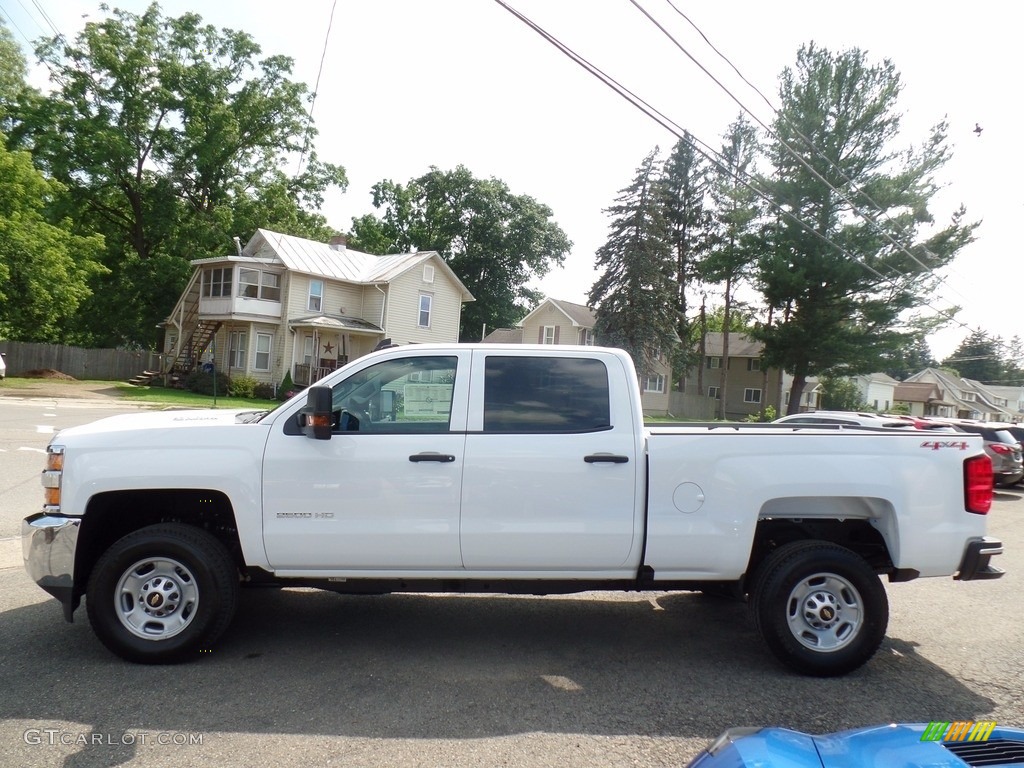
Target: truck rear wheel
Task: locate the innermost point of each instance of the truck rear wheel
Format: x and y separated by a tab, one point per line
820	608
162	593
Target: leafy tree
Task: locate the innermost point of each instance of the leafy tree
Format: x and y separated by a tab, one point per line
844	286
685	186
906	361
635	296
494	240
735	213
44	268
741	320
170	136
838	394
12	75
978	357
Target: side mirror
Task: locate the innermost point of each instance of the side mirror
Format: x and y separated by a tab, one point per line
315	418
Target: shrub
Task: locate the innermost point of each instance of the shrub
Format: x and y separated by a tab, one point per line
287	388
243	386
202	383
264	391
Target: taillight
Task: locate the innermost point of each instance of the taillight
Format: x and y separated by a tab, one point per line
1002	450
978	484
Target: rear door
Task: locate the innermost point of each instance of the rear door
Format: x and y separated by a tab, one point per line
552	474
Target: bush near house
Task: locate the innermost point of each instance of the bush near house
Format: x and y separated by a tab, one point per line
203	383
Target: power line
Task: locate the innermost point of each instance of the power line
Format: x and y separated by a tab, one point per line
316	88
704	149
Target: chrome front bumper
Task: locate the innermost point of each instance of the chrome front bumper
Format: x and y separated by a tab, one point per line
48	545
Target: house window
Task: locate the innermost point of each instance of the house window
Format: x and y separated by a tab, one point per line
249	283
270	286
714	362
587	337
753	364
428	273
217	282
316	295
549	335
307	350
236	349
263	342
426	304
785	399
751	395
968	397
654	383
715	393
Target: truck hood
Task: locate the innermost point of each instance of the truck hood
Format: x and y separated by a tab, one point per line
162	420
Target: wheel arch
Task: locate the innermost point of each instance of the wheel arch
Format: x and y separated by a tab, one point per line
864	525
113	515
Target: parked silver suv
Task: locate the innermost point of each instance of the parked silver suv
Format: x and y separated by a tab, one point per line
1000	445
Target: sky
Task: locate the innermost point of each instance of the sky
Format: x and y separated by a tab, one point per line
409	84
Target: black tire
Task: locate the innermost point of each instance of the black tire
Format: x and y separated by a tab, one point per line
162	594
820	608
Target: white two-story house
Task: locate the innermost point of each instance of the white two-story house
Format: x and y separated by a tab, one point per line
285	304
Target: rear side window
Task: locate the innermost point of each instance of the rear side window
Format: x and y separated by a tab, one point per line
546	394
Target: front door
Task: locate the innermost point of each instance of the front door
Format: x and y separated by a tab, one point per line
384	492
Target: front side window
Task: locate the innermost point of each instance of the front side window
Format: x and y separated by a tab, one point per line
753	364
316	295
426	304
249	283
270	286
550	334
714	393
545	394
307	350
407	395
751	395
714	362
217	282
263	344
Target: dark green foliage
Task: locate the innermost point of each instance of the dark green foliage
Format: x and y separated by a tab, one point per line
495	242
979	357
263	391
203	383
287	388
841	313
243	386
839	394
169	136
635	297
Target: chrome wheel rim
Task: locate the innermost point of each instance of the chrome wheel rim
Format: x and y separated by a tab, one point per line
156	598
825	612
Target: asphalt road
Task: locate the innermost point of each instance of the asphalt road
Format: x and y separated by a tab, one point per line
305	678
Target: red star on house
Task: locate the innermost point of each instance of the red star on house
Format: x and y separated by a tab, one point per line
328	348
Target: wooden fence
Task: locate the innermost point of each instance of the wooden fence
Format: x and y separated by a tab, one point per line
81	363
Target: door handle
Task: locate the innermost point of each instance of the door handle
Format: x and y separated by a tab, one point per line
605	458
444	458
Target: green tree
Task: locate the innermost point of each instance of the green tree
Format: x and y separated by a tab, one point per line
735	213
978	357
44	268
839	394
12	75
170	136
495	241
635	296
844	286
685	187
906	361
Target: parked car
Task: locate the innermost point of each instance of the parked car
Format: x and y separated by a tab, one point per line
847	418
1000	444
937	745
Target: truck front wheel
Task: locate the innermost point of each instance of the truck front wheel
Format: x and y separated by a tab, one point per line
162	593
820	608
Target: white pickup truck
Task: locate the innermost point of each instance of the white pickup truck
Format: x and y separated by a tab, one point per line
487	468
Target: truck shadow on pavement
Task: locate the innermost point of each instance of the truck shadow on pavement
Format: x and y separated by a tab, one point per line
460	667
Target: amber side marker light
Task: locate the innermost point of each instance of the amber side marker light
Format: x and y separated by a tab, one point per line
978	484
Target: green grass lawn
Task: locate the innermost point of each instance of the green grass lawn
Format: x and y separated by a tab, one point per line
184	399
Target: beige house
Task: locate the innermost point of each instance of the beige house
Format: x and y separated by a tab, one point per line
555	321
749	388
285	304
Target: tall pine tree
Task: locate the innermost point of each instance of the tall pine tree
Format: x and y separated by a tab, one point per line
636	295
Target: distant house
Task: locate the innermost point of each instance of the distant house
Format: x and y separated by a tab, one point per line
877	390
966	398
286	304
810	398
923	398
749	388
